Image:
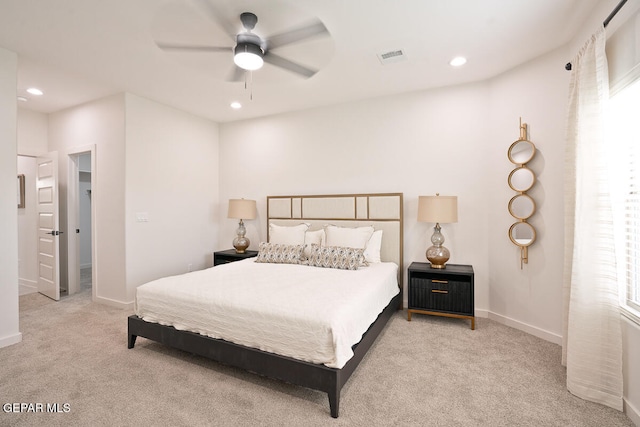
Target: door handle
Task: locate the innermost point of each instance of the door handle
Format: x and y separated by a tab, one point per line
55	233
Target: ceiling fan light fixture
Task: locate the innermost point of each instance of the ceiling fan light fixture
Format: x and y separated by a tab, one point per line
248	56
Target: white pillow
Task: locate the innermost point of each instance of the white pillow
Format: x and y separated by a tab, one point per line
312	237
348	237
287	235
372	250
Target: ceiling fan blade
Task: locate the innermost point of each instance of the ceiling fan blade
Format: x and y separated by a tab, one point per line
298	34
192	48
236	75
281	62
216	15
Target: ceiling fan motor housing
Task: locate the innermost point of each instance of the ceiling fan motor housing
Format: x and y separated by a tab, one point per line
249	20
248	52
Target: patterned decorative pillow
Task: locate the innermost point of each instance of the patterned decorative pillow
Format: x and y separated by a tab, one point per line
336	257
279	254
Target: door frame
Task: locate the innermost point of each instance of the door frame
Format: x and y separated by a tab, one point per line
73	212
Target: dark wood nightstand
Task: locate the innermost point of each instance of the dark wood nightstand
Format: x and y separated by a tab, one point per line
441	292
230	255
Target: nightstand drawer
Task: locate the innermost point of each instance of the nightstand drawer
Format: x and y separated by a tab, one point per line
230	255
452	296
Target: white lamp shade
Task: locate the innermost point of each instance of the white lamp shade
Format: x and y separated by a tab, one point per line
439	209
242	209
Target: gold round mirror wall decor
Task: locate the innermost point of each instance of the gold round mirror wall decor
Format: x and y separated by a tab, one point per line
521	152
522	206
521	179
522	234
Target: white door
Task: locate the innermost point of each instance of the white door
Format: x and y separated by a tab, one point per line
48	232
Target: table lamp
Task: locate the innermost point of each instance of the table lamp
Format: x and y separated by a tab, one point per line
241	209
438	209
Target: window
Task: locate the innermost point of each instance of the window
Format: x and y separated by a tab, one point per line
624	140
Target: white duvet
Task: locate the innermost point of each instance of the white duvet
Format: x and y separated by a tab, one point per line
308	313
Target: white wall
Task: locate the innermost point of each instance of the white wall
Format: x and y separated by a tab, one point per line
529	298
153	159
27	228
631	369
33	128
418	144
100	123
9	330
453	141
172	178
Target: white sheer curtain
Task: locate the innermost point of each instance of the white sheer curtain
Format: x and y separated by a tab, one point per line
592	340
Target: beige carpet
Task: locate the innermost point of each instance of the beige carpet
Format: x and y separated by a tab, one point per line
429	372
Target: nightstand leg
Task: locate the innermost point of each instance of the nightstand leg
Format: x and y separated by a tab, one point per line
409	315
473	323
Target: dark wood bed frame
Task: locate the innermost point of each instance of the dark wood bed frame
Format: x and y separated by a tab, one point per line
316	377
313	376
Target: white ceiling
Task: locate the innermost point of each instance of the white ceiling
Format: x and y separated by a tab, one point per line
80	50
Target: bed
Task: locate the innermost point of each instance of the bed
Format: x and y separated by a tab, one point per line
304	348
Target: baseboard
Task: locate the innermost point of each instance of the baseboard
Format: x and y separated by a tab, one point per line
632	412
535	331
114	303
27	287
10	340
481	313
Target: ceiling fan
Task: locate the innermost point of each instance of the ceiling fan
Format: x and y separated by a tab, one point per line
251	51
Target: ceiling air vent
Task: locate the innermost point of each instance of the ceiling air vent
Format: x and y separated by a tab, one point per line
392	56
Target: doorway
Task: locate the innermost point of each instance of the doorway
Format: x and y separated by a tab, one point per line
84	220
77	260
81	266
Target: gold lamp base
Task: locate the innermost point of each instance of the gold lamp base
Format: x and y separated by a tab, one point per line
241	242
438	256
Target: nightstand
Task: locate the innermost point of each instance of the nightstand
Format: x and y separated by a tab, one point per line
441	291
230	255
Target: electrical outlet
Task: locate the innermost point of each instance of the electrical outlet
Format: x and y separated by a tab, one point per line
142	217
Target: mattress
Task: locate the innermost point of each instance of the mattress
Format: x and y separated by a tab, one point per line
308	313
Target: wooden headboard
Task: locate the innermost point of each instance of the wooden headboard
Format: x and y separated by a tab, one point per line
383	211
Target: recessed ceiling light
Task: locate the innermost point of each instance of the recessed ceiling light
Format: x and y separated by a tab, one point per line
236	105
34	91
458	61
22	98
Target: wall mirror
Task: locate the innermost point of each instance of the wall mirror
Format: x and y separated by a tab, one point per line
521	179
521	152
522	206
522	234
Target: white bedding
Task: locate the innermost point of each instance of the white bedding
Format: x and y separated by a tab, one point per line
308	313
